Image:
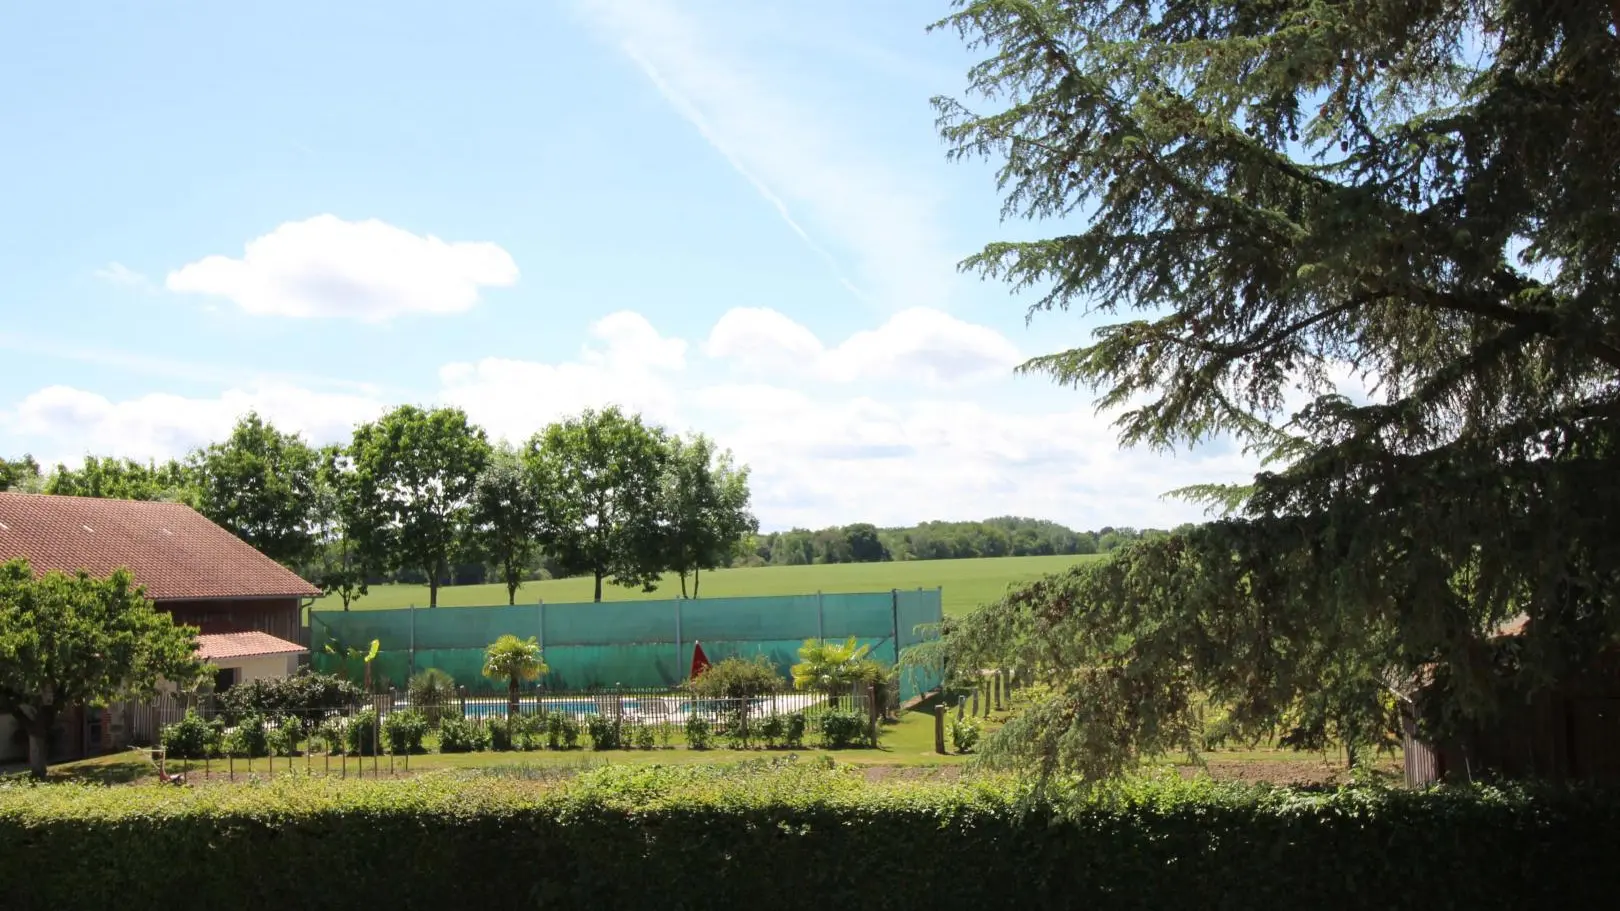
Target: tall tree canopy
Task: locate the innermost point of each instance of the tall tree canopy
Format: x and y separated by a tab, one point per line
1261	199
260	484
123	479
351	541
417	470
506	515
21	475
598	477
69	640
703	499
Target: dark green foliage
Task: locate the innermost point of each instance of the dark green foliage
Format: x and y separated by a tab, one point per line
499	731
1001	537
1265	206
598	475
606	732
842	730
699	732
644	736
283	736
562	731
403	731
773	728
461	735
247	740
22	475
191	737
529	732
776	835
738	678
260	485
304	694
793	732
361	734
123	479
431	691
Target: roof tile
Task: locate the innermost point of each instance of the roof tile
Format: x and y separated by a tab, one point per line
215	646
170	548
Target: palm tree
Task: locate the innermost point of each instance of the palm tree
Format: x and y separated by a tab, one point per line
512	659
831	667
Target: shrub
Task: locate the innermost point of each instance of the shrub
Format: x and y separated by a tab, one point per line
284	736
360	734
739	730
666	734
403	731
841	730
964	734
698	732
773	729
562	731
500	733
334	734
248	739
737	678
304	693
606	733
645	736
460	735
191	737
773	834
529	731
795	726
430	692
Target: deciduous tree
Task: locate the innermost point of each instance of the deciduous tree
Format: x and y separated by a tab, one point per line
416	472
506	516
260	484
598	476
703	506
1263	201
68	640
123	479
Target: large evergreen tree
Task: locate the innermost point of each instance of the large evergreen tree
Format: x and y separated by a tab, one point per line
1260	198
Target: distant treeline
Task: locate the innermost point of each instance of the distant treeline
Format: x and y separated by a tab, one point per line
1003	536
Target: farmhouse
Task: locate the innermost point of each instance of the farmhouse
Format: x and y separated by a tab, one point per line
246	605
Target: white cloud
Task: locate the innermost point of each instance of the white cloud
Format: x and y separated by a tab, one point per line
801	160
116	273
630	365
66	423
365	270
821	453
918	344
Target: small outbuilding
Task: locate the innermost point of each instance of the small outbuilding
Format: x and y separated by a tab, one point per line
247	606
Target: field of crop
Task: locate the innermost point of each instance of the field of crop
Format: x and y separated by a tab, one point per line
965	584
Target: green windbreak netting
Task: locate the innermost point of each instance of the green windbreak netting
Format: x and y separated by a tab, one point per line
625	643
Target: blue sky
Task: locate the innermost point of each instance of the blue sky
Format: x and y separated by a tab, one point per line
734	218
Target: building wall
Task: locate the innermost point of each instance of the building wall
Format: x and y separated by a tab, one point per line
260	667
277	616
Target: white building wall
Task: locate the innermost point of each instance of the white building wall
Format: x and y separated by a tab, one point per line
262	666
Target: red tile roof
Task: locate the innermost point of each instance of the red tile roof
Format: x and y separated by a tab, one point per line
173	551
215	646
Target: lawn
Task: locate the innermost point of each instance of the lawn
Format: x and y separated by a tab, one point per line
965	584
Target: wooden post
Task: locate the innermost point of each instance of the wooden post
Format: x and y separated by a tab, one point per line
872	712
975	712
939	729
961	705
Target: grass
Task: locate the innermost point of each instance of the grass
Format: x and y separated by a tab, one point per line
964	584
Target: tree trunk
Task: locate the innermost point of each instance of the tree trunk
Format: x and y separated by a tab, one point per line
695	571
433	589
39	739
511	697
511	587
683	583
598	585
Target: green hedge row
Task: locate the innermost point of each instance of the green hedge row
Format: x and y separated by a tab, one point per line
794	837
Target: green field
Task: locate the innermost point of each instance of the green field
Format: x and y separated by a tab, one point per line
965	584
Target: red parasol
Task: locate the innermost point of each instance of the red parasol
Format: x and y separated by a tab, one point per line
700	661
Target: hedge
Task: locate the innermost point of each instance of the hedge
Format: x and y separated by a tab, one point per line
794	837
